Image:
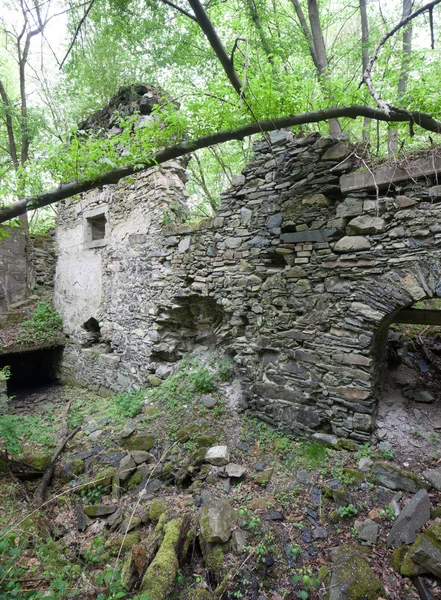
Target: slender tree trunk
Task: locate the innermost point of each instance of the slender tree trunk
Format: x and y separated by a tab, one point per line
314	36
365	60
392	139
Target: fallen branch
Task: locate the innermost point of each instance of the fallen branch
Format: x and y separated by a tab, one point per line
67	190
63	438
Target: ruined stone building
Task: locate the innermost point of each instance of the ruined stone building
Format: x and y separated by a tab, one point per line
297	278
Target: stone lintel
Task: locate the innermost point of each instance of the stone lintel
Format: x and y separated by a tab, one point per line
389	174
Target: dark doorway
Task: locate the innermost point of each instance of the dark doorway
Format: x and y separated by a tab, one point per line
31	369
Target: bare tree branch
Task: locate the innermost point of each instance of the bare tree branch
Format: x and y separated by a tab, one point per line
77	31
211	35
68	190
179	9
367	76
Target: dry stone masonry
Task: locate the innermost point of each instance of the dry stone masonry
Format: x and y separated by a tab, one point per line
297	277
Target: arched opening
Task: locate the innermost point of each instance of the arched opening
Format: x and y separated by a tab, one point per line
408	358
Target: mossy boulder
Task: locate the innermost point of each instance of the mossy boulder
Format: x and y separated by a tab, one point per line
344	444
403	564
103	479
214	559
142	441
426	551
205	441
157	508
39	462
351	576
353	476
395	478
159	580
263	477
133	481
98	510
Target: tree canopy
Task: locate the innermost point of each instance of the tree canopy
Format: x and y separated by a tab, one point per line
237	68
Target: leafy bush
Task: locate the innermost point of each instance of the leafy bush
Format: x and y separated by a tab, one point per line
128	404
202	380
42	327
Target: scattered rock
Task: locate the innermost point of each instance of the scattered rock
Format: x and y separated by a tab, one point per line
126	468
144	442
208	401
264	477
412	518
426	551
395	478
217	521
304	477
423	396
367	530
434	477
240	538
365	465
81	518
218	456
235	470
140	456
274	515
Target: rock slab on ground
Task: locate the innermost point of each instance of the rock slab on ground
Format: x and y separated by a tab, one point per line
412	518
351	577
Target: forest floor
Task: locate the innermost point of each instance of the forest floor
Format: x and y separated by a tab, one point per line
294	502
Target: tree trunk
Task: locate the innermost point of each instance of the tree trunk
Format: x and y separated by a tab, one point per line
365	60
392	141
314	36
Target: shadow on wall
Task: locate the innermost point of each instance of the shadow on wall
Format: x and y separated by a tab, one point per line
190	321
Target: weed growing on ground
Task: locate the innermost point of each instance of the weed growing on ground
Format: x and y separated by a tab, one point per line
347	511
42	327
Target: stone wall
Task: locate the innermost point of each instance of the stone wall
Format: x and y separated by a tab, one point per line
13	268
41	260
297	280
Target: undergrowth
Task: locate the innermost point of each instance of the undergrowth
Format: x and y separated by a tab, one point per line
42	327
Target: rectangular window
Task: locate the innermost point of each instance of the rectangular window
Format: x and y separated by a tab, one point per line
95	227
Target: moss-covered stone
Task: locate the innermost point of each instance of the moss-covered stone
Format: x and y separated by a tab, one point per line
167	469
151	412
71	469
39	462
104	479
134	480
334	516
186	432
157	508
124	542
214	560
264	477
397	558
98	510
435	512
352	576
395	478
343	444
354	476
159	580
205	441
142	441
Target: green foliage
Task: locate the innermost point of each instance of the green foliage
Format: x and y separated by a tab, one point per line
93	494
42	327
304	579
347	511
248	520
127	404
